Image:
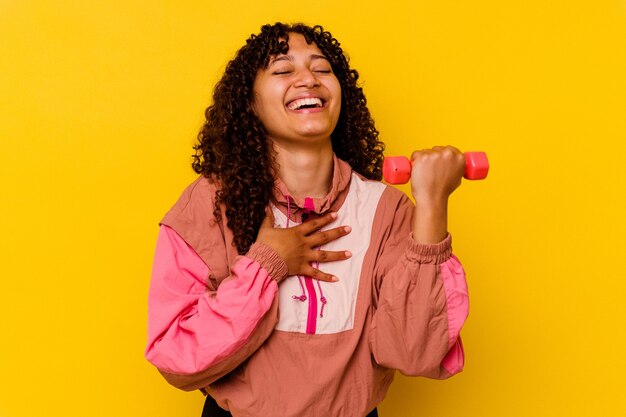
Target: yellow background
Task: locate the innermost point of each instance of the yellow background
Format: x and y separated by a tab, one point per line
100	102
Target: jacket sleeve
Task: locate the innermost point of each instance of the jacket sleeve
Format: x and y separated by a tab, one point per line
195	336
422	304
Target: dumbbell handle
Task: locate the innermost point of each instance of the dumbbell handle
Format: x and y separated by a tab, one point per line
397	169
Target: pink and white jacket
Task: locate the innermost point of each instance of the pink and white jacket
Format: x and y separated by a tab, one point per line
266	344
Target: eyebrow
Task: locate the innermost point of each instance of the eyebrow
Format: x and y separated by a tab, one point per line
290	58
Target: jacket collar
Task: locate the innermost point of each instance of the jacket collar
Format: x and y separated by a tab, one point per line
332	201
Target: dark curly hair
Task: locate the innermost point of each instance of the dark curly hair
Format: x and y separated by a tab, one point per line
233	147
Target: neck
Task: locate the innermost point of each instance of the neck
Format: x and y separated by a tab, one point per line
305	172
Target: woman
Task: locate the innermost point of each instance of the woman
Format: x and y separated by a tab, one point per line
288	281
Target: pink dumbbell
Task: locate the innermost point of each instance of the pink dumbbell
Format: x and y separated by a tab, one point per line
397	169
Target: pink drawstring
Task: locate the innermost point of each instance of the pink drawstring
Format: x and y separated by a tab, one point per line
322	299
303	296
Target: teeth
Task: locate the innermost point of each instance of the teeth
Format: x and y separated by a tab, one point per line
297	104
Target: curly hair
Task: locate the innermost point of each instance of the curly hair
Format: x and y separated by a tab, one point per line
233	148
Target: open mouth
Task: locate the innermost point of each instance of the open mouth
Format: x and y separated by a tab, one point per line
306	103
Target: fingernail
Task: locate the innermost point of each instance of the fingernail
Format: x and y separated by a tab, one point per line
334	279
348	254
333	215
348	229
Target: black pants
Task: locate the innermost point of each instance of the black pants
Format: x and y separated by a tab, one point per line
211	409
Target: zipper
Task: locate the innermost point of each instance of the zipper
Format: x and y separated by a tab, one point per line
311	321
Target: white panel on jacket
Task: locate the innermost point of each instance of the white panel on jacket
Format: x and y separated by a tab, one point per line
357	212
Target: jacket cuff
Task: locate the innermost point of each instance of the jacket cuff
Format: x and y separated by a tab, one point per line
270	260
436	253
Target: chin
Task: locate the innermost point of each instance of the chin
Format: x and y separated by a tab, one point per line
315	131
315	136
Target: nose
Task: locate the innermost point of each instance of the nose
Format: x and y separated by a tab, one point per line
307	78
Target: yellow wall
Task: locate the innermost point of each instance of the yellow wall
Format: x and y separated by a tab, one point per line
100	102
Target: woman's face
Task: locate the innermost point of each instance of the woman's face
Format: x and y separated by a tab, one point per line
297	97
